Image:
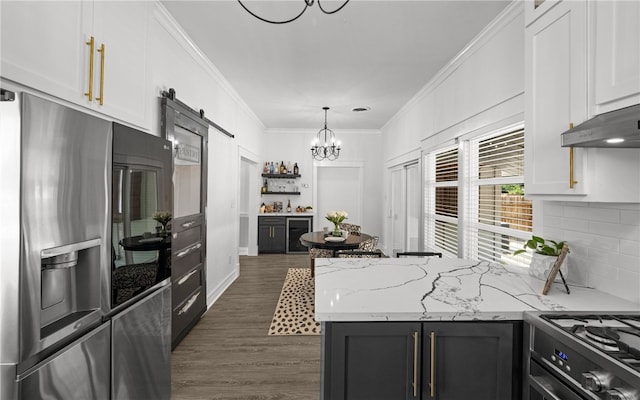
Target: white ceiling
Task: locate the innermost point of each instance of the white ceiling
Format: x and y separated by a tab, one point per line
371	53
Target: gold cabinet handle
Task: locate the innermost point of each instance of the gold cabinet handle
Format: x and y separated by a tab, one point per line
432	377
416	337
91	44
572	181
101	98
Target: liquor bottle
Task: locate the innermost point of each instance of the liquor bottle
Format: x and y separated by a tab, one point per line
265	187
295	169
266	168
271	168
289	168
289	206
282	167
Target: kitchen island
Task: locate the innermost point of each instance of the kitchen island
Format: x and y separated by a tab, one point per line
432	328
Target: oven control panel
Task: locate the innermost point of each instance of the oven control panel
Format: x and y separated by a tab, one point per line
568	362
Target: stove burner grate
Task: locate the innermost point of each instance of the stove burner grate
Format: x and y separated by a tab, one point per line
601	335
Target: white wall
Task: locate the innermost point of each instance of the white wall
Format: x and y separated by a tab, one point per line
356	147
480	90
480	87
604	243
174	62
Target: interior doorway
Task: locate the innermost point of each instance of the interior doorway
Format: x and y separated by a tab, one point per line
338	186
405	207
248	204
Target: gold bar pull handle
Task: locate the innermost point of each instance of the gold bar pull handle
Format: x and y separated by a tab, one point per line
432	377
572	181
416	338
101	98
91	44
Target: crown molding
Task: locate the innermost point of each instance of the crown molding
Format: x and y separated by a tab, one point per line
310	131
166	20
512	11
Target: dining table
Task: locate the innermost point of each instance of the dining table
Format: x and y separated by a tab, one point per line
323	240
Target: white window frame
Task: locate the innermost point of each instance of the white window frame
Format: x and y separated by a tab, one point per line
430	216
468	184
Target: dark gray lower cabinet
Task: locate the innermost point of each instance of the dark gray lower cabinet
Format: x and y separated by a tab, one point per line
272	235
412	360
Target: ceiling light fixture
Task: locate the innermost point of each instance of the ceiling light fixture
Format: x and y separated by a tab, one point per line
331	149
307	4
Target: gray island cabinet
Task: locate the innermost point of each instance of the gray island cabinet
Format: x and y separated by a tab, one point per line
413	360
431	328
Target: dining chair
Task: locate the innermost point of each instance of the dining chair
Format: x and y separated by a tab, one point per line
358	254
353	229
418	254
314	253
131	279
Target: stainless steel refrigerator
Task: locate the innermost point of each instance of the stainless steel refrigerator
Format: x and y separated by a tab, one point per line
55	283
61	336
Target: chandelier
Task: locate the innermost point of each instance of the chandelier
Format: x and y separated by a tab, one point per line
307	4
330	149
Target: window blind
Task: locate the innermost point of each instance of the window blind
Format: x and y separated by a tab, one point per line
500	218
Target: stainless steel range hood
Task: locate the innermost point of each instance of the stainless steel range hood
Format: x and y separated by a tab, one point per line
615	129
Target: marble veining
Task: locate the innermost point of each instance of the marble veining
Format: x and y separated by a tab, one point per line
420	289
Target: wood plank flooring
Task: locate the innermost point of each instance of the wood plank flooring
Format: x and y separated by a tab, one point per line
228	354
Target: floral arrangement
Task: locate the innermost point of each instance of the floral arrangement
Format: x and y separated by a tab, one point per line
336	217
163	217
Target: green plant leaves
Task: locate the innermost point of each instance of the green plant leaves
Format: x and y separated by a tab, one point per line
540	246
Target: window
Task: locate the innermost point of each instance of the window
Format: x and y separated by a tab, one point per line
441	229
491	218
500	218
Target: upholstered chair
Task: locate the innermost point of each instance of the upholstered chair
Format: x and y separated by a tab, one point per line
353	229
418	254
317	253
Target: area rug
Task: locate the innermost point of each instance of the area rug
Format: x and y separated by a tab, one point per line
295	308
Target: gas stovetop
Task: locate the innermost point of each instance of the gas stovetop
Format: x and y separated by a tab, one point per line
616	335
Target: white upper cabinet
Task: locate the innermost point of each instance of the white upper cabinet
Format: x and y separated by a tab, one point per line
555	97
43	46
122	28
534	9
581	59
616	54
48	46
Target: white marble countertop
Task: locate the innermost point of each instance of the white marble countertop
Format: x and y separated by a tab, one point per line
423	289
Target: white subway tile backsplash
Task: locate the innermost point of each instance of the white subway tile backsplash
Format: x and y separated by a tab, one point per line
620	231
630	217
571	224
604	239
630	247
593	214
554	209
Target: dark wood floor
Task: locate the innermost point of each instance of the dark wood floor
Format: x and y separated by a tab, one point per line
228	354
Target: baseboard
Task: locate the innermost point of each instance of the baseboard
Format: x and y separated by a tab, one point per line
243	251
214	295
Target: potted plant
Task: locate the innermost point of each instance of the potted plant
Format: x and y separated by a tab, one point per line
545	253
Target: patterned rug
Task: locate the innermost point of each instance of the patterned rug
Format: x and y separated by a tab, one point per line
295	308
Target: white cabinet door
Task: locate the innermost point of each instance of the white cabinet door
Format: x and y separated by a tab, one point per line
43	46
122	28
555	96
534	9
616	54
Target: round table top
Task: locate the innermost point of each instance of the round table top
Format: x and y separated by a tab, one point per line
316	239
141	243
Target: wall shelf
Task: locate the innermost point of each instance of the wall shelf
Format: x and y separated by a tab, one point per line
294	193
281	176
